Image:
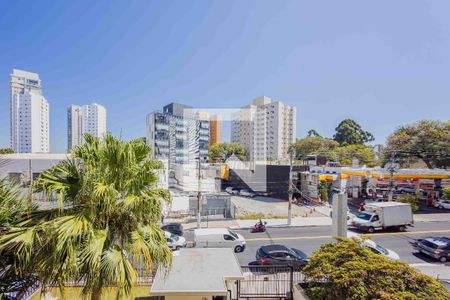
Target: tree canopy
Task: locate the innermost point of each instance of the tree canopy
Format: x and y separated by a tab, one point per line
345	270
427	141
6	151
221	151
106	224
315	145
348	132
313	132
364	154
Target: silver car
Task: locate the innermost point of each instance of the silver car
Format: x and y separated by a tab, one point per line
175	242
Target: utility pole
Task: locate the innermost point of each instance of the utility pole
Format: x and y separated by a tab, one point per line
290	190
391	176
199	194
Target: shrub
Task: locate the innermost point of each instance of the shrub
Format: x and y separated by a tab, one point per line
345	270
411	199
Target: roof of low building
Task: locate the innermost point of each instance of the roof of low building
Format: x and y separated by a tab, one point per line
198	270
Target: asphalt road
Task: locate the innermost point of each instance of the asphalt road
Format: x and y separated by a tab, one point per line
309	239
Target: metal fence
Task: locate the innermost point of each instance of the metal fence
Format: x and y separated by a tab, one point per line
268	282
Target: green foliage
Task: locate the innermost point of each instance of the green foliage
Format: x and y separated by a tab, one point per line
314	145
106	223
6	151
447	193
313	132
426	140
345	270
348	132
327	147
323	189
221	151
364	154
411	199
14	205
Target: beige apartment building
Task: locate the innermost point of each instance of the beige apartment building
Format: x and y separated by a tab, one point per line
265	129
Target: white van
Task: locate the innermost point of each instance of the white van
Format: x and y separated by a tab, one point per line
219	238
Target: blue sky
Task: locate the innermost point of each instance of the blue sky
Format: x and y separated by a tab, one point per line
383	63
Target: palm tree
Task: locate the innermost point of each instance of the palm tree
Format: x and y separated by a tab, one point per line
106	223
14	205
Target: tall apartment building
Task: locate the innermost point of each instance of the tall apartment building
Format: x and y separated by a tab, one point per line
29	114
178	134
265	129
215	129
90	118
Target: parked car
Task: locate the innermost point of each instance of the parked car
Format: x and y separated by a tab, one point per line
234	191
406	188
442	204
219	238
247	193
280	255
175	242
175	228
229	189
374	247
436	247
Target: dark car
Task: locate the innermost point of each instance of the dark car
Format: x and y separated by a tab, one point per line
279	255
436	247
175	228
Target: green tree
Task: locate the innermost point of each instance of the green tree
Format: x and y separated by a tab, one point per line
106	223
348	132
428	141
447	193
221	151
313	132
13	207
345	270
364	154
315	145
6	151
411	199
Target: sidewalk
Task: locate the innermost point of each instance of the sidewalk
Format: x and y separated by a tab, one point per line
442	217
296	222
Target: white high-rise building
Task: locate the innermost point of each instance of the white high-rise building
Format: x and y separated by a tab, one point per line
29	114
265	129
90	118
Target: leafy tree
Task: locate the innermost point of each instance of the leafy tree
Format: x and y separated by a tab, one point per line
345	270
6	151
221	151
13	206
411	199
313	132
447	193
348	132
106	223
315	145
364	154
323	189
428	141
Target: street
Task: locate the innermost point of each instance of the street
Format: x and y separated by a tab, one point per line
309	239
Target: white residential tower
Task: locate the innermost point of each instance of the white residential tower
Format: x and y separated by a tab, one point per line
265	129
83	119
29	114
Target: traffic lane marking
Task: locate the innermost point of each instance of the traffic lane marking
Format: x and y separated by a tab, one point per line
330	237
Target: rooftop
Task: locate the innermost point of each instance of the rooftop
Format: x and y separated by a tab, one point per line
198	271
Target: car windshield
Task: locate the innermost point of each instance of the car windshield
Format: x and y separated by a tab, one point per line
175	237
234	234
382	249
364	216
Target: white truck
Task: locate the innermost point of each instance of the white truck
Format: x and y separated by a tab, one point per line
218	238
383	215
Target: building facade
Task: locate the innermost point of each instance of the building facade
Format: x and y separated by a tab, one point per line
215	131
29	114
265	129
90	118
178	135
